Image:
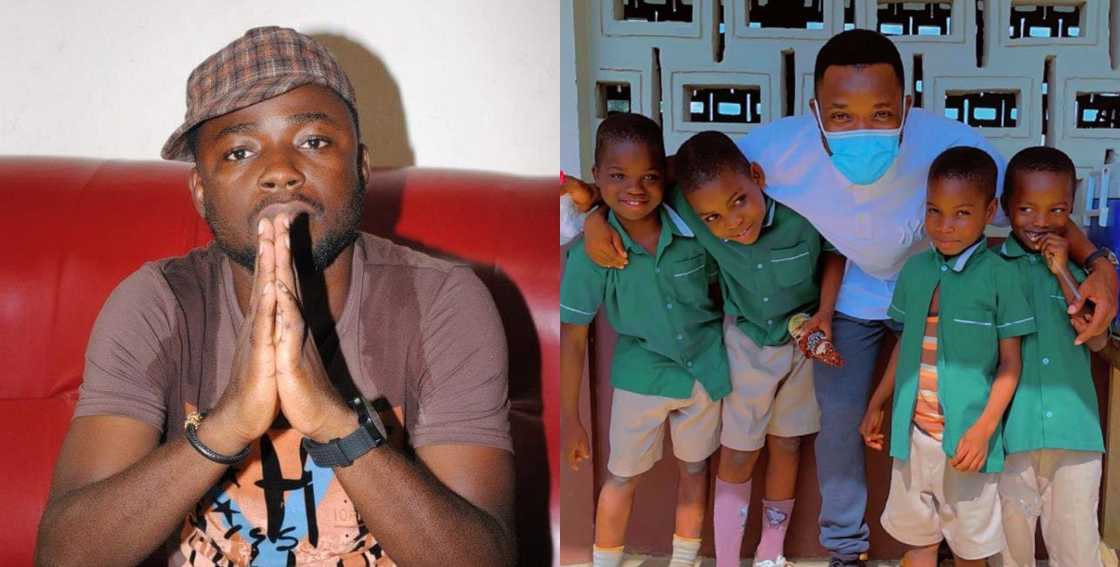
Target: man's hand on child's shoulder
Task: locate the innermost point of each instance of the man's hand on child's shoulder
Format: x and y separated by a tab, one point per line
972	450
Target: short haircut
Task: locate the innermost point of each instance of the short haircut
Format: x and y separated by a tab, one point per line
704	157
1036	158
629	127
967	163
858	47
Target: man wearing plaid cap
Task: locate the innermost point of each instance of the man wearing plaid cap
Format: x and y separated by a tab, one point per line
225	407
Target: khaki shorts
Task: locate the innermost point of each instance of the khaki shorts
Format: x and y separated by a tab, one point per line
930	500
1063	488
638	429
771	392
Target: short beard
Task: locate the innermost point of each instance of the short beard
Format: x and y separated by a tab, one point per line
323	252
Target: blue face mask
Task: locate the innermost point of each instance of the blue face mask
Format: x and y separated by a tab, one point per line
863	156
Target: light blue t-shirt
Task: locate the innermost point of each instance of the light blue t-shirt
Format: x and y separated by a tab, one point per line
878	226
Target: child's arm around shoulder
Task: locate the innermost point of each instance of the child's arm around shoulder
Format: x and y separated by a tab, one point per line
600	241
576	200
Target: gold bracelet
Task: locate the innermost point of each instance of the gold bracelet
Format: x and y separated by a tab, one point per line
194	418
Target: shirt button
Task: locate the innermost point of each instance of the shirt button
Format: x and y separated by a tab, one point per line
668	306
680	337
943	268
1049	414
1046	361
688	364
765	299
760	266
769	321
657	270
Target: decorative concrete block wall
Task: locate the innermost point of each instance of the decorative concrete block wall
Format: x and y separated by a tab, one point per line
1024	71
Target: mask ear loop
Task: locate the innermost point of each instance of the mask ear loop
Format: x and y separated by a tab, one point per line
817	115
905	115
824	133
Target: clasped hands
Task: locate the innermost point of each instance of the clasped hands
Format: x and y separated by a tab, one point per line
276	365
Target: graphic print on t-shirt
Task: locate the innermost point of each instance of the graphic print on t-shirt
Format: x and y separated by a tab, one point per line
279	508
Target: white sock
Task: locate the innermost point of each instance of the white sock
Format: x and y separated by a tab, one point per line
685	550
606	556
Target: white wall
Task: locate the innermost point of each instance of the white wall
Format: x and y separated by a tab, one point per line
445	83
569	124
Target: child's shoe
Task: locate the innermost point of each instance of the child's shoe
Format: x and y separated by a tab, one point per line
779	562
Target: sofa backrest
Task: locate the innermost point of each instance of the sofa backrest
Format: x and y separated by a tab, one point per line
74	228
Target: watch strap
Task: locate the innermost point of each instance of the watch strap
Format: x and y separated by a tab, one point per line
342	452
1101	252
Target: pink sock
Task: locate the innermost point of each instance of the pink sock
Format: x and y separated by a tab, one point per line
775	520
730	518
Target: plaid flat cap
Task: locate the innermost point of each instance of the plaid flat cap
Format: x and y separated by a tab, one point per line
263	63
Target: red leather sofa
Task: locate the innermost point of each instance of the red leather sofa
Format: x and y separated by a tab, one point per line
73	228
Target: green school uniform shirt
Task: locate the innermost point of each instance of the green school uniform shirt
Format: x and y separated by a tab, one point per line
981	302
769	281
1055	406
669	328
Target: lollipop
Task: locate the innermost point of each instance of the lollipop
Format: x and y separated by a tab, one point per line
815	344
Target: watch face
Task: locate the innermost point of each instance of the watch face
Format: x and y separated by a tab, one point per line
369	418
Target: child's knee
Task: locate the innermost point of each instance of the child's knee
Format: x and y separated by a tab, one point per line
694	468
736	466
920	556
616	482
737	458
783	444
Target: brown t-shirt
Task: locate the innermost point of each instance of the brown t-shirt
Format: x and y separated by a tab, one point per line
421	333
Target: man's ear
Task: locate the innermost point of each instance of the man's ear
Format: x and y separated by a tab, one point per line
364	168
991	212
198	191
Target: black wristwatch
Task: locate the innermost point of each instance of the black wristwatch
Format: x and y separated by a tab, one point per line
1101	252
369	435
